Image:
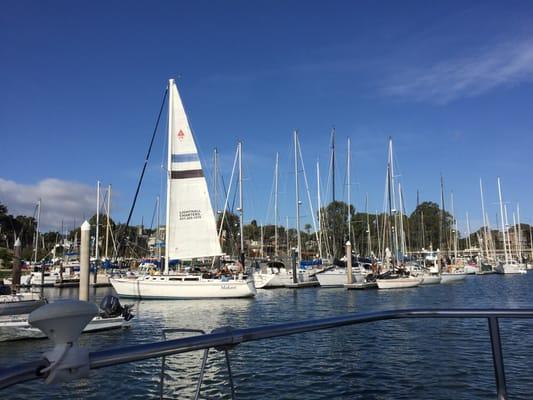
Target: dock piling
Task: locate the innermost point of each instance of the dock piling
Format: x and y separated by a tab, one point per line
84	261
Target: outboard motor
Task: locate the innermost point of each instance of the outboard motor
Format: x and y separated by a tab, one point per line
110	307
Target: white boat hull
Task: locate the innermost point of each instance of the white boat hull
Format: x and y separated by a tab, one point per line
398	283
271	280
471	269
449	277
430	279
510	269
17	328
337	278
178	287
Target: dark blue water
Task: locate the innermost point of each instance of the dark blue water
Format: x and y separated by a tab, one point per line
426	359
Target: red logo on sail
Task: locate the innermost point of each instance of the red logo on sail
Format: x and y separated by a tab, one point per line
181	135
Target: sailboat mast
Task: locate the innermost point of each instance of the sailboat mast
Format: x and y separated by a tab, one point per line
403	247
333	165
389	194
297	191
502	221
485	223
393	197
454	227
169	168
97	237
215	180
368	227
158	232
241	211
506	226
319	208
349	156
276	179
108	225
442	232
519	233
287	235
469	242
37	232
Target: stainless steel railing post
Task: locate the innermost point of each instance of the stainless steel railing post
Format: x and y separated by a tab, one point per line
497	357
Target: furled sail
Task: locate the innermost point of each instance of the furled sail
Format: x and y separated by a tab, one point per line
191	229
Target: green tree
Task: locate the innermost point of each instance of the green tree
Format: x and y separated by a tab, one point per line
335	225
230	232
430	227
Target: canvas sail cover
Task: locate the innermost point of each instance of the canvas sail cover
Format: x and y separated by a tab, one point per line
191	228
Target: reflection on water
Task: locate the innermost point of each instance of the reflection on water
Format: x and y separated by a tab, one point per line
437	359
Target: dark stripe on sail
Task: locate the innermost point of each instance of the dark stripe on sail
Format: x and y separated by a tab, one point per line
192	173
185	157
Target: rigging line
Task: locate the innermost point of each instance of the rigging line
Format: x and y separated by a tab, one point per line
227	195
308	192
153	216
146	159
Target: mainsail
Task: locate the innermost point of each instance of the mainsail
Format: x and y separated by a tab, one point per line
191	230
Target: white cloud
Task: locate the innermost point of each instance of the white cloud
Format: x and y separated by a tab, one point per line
61	200
503	65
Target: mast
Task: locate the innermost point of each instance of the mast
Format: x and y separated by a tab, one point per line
349	156
287	234
403	247
37	233
108	225
442	231
369	236
215	180
393	196
455	228
515	234
297	191
157	238
241	211
531	241
169	169
333	164
319	208
485	222
469	242
506	226
389	194
503	222
519	233
97	237
276	179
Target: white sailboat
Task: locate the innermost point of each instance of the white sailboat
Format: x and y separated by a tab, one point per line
190	224
509	266
395	278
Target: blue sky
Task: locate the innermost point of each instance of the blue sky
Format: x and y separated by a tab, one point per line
451	82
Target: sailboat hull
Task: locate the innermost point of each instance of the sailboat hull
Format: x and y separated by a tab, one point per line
398	283
510	269
450	277
337	277
180	288
431	279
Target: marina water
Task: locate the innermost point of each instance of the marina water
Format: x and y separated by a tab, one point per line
437	359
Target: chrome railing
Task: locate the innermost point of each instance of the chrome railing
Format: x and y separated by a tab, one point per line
224	339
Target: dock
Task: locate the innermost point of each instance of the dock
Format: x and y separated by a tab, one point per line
361	286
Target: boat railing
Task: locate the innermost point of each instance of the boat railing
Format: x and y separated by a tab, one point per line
226	338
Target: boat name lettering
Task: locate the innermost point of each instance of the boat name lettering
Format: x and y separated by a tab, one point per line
227	286
190	214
